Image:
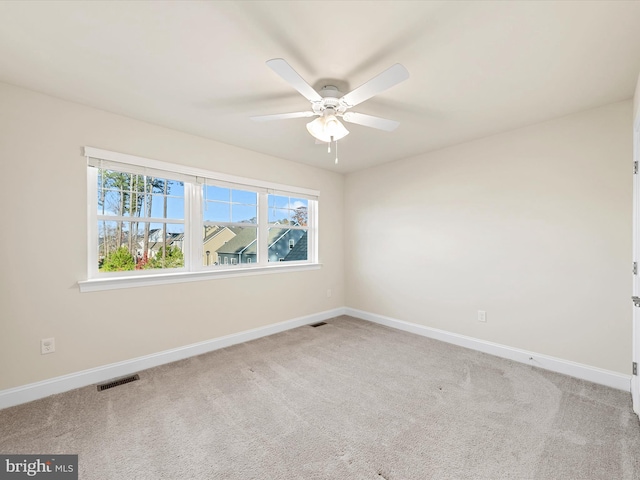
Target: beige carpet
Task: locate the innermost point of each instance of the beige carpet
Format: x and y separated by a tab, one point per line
347	400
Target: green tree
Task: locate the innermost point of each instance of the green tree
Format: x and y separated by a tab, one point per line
119	261
124	194
172	258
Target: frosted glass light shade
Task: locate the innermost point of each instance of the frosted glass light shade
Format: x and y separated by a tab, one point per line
327	129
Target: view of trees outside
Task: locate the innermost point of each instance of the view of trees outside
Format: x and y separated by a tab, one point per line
127	238
141	224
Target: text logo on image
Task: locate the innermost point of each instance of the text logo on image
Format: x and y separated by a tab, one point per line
50	467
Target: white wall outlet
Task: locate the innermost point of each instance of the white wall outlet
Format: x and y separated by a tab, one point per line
482	316
329	293
47	345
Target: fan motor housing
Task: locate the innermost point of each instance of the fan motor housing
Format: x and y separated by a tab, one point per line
330	100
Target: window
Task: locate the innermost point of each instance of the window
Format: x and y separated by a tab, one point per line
230	219
288	227
158	222
140	222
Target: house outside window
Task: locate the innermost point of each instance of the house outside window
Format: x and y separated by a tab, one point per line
288	223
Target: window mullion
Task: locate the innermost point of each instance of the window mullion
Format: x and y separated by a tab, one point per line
195	227
263	229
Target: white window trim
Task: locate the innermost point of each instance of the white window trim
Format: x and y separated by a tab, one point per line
113	283
276	188
193	270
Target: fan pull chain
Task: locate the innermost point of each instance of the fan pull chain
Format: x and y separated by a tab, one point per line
329	144
336	152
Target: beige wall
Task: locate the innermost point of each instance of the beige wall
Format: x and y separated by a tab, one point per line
636	100
532	225
43	247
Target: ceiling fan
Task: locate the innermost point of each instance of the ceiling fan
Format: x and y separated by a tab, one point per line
329	103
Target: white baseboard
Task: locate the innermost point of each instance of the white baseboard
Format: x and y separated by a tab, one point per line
34	391
566	367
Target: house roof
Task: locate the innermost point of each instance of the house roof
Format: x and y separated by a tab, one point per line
211	231
244	242
299	250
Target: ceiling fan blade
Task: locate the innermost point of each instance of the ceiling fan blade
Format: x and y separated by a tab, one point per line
281	116
289	75
383	81
371	121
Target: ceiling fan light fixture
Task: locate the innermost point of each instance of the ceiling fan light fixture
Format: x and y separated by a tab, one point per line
327	128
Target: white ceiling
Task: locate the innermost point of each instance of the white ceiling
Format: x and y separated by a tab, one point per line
477	68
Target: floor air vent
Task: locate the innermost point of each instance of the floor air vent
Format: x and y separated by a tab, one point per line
319	324
119	381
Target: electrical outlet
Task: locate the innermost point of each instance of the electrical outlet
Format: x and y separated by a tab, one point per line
47	345
329	293
482	316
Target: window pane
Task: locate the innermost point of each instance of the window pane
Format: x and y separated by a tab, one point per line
217	193
277	201
157	249
217	212
157	205
111	236
175	207
233	206
279	215
229	245
155	185
299	211
110	179
214	237
288	210
138	205
120	203
286	245
127	195
126	246
175	188
165	207
300	216
244	196
295	203
244	213
109	202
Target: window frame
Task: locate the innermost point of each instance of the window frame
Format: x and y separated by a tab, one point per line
193	180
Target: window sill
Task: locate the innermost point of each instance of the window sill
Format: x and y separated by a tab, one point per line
113	283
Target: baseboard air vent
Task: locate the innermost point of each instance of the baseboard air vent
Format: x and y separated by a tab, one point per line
118	381
319	324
